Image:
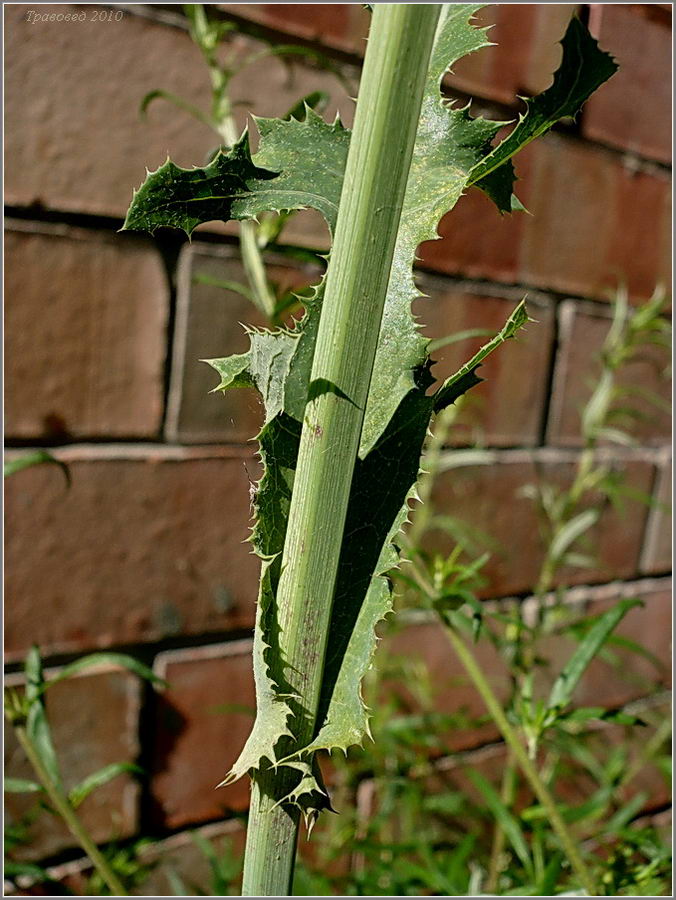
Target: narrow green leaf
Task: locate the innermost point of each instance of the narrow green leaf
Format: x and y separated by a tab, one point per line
21	786
82	790
177	101
504	817
562	690
94	660
37	725
571	531
39	457
516	321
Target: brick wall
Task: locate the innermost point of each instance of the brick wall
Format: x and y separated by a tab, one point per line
144	551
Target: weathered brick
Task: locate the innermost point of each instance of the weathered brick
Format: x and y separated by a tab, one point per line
209	324
657	548
75	140
192	723
632	110
523	61
453	691
182	856
582	331
340	25
85	322
507	408
147	543
488	499
595	222
93	718
526	55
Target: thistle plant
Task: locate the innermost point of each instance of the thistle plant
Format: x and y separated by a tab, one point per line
347	388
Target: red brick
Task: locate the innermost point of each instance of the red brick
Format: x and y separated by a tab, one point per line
340	25
488	499
526	55
147	543
595	223
453	692
181	855
656	557
517	370
93	718
75	140
209	324
636	252
582	332
85	322
632	110
189	726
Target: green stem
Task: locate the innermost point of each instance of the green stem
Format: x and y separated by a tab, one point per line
527	767
67	813
390	96
507	794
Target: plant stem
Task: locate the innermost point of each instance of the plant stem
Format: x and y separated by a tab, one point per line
527	767
69	816
395	69
507	793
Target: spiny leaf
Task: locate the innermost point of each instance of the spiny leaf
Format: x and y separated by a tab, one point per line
184	198
584	67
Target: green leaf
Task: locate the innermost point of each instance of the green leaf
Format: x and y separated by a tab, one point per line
37	725
82	790
571	531
94	660
21	786
584	67
184	198
39	457
447	392
504	817
177	101
562	689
